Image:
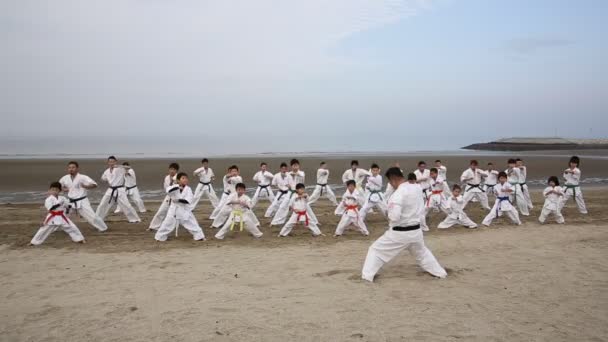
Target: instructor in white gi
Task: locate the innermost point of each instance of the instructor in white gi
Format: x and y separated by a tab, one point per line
405	208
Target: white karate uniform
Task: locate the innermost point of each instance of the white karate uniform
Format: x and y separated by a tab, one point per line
55	220
77	195
490	181
424	180
552	204
281	215
204	188
301	212
373	197
179	214
474	189
523	174
240	215
132	191
456	214
573	190
438	195
264	189
221	212
442	172
349	209
517	196
358	175
282	182
502	205
405	208
323	188
160	215
116	194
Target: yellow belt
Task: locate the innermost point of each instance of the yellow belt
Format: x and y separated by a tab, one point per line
237	213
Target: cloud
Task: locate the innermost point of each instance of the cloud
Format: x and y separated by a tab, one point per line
530	45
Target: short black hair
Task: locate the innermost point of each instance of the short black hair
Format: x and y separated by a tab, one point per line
437	161
502	174
204	160
323	163
490	163
393	172
456	187
434	170
241	186
233	167
473	162
518	159
422	162
174	166
112	158
576	160
73	163
300	186
511	161
294	161
411	176
375	166
262	164
55	185
126	164
283	165
350	182
354	162
181	175
553	179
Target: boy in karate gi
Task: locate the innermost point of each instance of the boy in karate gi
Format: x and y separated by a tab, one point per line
349	210
180	211
473	177
373	193
322	187
241	214
356	174
502	206
221	212
572	175
205	188
405	208
437	198
517	196
490	180
553	197
264	190
132	190
114	175
296	176
301	213
423	177
168	181
523	174
281	181
76	185
442	171
456	214
56	218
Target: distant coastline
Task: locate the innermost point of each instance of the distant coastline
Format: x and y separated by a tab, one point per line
540	144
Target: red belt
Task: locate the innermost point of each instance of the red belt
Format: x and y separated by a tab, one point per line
54	213
354	208
434	192
302	214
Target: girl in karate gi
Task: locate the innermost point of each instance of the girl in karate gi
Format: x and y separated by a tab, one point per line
456	215
503	205
553	197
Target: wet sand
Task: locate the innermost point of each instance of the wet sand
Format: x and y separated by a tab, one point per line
506	283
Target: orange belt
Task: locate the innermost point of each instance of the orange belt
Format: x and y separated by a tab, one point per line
434	192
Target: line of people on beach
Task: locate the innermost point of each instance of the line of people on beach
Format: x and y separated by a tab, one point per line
289	203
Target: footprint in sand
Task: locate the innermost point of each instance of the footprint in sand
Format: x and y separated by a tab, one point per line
331	273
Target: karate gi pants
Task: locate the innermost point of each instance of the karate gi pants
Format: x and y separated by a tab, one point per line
45	231
120	199
545	213
293	220
171	223
578	197
323	190
205	191
84	209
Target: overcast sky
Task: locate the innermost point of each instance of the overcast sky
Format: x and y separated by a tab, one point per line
430	69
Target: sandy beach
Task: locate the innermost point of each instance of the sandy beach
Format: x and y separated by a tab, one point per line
505	283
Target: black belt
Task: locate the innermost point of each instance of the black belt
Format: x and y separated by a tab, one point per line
282	193
226	193
75	201
406	229
323	186
131	187
478	186
206	185
265	187
115	191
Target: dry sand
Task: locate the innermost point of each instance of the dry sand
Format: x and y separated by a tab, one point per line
506	283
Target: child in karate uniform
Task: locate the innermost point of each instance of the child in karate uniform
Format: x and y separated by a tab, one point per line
322	187
442	171
572	175
349	210
517	196
490	180
205	188
281	181
221	212
301	213
423	178
296	177
264	189
373	193
356	174
132	190
56	218
473	178
160	215
502	206
241	214
553	197
180	211
456	213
